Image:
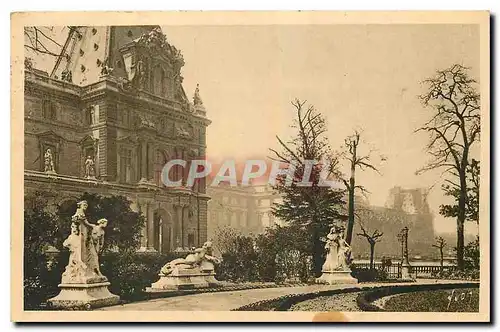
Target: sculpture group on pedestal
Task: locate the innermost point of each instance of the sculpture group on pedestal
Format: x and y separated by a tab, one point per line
196	270
82	283
338	255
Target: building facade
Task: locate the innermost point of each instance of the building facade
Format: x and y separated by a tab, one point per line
106	120
247	209
403	208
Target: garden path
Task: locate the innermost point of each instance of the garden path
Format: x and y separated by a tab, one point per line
230	300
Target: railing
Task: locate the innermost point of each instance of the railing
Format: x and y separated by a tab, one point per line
416	271
393	271
429	270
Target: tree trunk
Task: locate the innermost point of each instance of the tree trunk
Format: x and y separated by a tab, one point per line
372	254
317	254
352	183
461	219
442	259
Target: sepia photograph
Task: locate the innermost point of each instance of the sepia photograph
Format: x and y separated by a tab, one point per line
245	167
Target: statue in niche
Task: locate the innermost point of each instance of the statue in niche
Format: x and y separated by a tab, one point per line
49	161
139	73
90	168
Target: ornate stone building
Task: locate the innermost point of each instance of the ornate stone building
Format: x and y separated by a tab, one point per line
404	207
244	208
107	118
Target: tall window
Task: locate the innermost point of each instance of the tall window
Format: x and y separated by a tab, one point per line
126	165
49	109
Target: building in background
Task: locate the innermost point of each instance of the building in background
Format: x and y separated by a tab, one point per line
107	118
244	208
403	208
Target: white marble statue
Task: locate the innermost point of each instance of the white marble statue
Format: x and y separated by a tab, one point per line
337	249
75	270
49	161
89	167
202	258
84	243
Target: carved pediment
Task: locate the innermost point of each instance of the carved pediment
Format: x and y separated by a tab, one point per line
87	140
50	136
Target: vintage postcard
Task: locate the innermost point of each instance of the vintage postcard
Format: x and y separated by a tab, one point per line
250	167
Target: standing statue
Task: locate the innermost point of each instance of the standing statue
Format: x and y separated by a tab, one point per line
196	98
141	73
49	161
336	269
338	251
92	239
89	168
75	270
82	284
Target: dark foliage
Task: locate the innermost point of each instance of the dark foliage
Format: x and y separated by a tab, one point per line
311	209
240	261
124	225
367	275
44	229
130	273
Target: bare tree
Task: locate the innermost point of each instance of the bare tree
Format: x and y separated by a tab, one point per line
372	240
314	207
440	244
41	40
362	162
453	129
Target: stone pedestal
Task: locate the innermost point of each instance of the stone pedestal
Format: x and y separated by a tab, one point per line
336	277
84	296
405	272
184	279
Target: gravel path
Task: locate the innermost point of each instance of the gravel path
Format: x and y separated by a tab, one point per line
340	302
231	300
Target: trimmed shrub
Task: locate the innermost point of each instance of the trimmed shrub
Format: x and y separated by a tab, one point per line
367	275
131	272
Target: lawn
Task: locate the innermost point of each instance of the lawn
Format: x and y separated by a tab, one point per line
458	300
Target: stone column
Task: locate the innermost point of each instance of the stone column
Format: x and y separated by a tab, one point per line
136	206
178	240
144	160
150	161
184	226
151	230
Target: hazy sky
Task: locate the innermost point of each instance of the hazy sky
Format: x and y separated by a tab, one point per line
358	76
